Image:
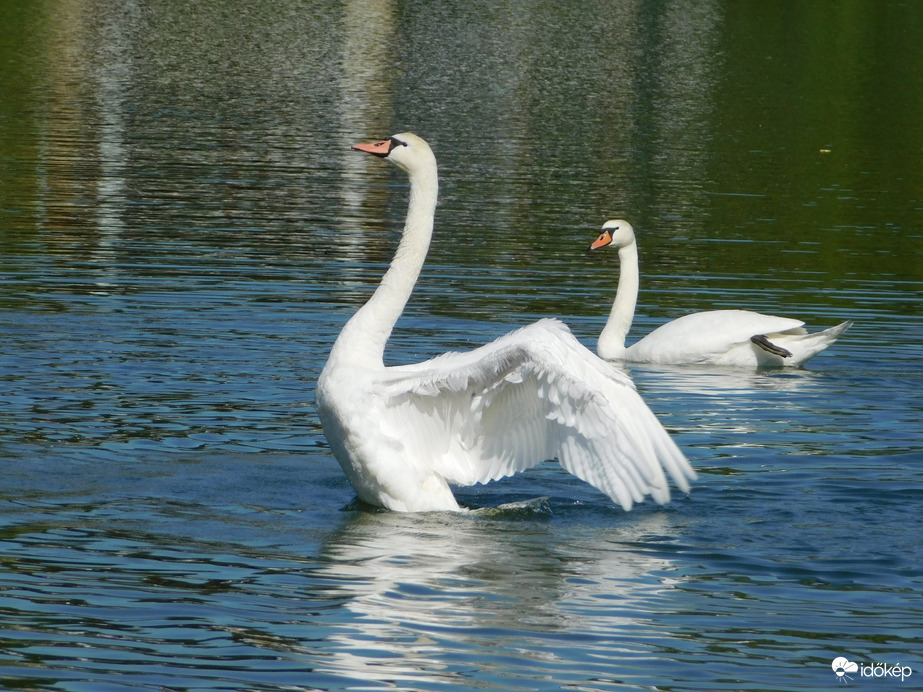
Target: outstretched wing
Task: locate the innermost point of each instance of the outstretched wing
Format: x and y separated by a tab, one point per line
532	395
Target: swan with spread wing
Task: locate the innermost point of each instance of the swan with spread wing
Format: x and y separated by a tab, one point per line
405	434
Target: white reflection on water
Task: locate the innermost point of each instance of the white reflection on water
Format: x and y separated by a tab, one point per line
718	407
421	588
718	381
112	77
364	108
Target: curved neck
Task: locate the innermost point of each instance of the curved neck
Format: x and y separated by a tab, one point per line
364	337
611	342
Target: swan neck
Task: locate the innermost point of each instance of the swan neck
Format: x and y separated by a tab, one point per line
611	344
365	335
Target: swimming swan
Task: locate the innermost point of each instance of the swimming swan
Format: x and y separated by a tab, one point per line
404	433
717	337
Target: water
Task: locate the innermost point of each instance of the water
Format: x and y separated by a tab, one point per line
184	230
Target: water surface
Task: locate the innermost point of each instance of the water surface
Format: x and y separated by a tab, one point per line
184	230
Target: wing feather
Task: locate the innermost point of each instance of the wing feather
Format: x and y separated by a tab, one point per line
532	395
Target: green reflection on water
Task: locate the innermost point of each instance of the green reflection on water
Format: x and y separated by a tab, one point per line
742	140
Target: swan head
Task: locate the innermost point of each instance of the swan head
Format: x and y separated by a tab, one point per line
617	232
406	150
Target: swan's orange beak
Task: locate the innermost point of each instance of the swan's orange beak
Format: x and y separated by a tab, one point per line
604	239
382	148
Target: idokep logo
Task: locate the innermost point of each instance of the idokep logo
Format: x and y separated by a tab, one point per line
842	667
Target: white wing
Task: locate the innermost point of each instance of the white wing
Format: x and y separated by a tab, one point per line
717	329
707	336
532	395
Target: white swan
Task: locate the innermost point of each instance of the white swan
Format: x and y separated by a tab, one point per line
404	433
717	337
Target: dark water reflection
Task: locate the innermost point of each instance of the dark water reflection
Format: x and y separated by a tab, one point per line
184	229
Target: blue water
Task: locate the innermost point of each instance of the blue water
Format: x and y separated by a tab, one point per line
184	230
172	517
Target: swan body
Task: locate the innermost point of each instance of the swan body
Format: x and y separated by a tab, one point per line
714	337
404	434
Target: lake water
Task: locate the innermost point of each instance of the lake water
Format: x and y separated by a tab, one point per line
184	230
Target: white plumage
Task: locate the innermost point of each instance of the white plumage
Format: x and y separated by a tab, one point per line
714	337
403	434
